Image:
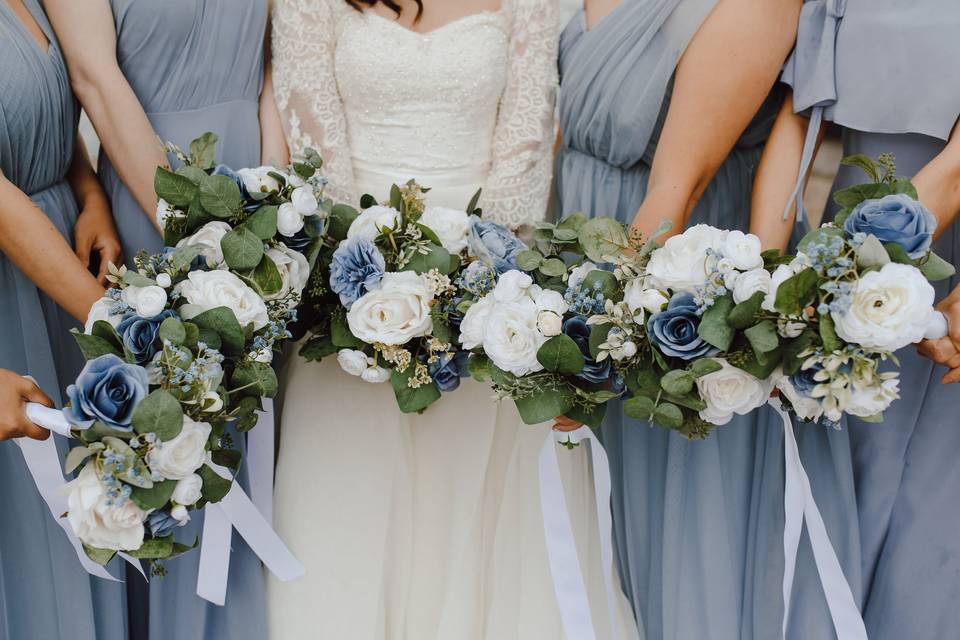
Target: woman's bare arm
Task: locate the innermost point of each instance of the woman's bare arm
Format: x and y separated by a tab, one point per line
273	142
94	231
938	183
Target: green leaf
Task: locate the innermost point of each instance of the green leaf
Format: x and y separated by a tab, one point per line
341	217
601	237
763	337
75	457
668	415
529	260
340	333
411	400
159	413
255	378
203	151
137	279
222	322
180	259
645	381
215	488
562	235
436	258
172	329
897	253
367	201
819	236
94	346
396	199
105	330
598	335
828	334
230	458
560	354
220	196
677	382
691	401
866	163
904	186
100	556
176	189
179	548
267	276
573	221
155	497
703	366
193	174
714	327
796	292
544	405
744	314
478	365
553	267
607	282
317	348
872	253
639	407
263	222
472	205
242	249
591	415
936	268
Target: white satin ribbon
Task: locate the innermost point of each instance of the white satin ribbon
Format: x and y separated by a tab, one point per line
260	452
568	582
799	506
237	511
937	326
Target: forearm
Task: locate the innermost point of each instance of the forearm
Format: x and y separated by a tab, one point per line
33	244
938	184
83	181
273	142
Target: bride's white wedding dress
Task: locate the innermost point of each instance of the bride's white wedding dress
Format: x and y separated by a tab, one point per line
421	527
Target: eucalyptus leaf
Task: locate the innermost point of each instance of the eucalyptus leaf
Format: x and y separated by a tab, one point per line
177	190
215	488
604	282
100	556
159	413
255	378
412	400
936	268
668	415
436	258
317	348
714	327
872	253
553	267
155	497
560	354
222	322
263	222
220	196
478	365
242	249
341	217
191	173
828	334
703	366
529	260
94	346
639	407
744	314
796	292
181	258
763	337
677	382
172	329
591	415
267	276
573	221
203	151
545	404
601	237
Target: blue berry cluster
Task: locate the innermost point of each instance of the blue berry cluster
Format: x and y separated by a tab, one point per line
585	302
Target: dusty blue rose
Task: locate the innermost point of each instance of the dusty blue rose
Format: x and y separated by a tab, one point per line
803	380
448	370
494	244
674	330
593	371
140	335
108	389
356	268
896	218
161	524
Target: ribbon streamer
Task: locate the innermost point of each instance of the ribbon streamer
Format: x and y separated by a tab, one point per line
568	582
260	452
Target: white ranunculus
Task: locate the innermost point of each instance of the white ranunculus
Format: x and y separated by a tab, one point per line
289	220
750	282
211	289
452	226
874	399
369	224
210	236
549	323
97	523
294	270
640	298
681	263
165	212
304	200
742	250
352	361
375	375
512	339
577	274
176	459
804	406
550	300
395	313
187	491
258	180
888	309
100	310
474	323
512	286
729	391
146	301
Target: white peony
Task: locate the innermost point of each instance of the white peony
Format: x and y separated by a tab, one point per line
211	289
148	301
395	313
750	282
210	236
370	223
475	322
304	201
681	263
187	491
639	298
375	375
731	390
100	310
512	339
804	406
452	227
874	399
577	274
178	458
98	523
512	286
888	308
258	180
352	361
294	271
742	250
289	220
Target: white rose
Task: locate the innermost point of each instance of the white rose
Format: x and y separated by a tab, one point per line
211	289
452	226
257	180
210	236
176	459
512	286
180	514
395	313
165	212
638	298
742	250
352	361
804	406
550	300
294	271
731	390
512	339
99	524
474	323
289	220
680	264
549	323
888	309
750	282
873	399
146	301
577	274
304	201
187	491
375	375
370	222
780	275
100	310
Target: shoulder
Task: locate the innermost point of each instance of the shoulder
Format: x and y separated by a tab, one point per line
532	15
328	9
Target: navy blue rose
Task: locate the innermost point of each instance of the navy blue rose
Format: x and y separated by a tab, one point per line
674	330
141	335
896	218
161	524
448	369
108	389
249	203
593	371
301	240
357	267
803	380
494	244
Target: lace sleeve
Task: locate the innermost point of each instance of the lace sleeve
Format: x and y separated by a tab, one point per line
518	187
304	38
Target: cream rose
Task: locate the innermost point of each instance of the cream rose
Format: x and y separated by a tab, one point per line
681	263
211	289
188	490
259	180
512	339
370	223
452	227
294	270
474	323
395	313
148	301
873	399
742	250
304	201
729	391
375	375
746	284
178	458
210	236
289	220
352	361
98	523
639	298
512	286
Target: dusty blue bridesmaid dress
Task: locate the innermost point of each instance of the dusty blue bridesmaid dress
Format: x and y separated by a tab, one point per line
195	66
698	525
893	69
44	592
